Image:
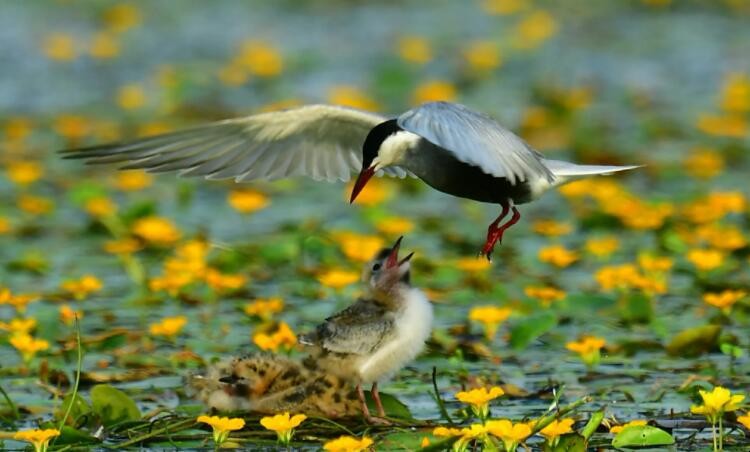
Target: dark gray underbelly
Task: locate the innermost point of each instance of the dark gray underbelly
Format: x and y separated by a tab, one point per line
440	170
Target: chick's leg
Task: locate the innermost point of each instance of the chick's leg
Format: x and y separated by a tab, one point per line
376	397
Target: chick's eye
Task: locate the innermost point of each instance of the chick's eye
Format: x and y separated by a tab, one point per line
376	267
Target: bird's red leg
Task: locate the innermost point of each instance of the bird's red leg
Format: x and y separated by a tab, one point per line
513	220
492	231
376	397
366	411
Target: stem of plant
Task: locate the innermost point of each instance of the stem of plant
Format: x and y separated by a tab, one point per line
79	365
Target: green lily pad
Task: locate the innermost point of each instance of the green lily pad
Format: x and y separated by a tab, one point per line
530	328
694	341
112	405
393	407
642	436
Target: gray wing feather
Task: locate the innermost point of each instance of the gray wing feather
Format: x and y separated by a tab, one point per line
320	141
476	139
358	329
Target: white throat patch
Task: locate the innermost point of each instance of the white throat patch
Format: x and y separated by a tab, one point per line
393	149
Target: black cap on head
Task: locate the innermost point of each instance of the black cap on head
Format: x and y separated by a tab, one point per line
375	138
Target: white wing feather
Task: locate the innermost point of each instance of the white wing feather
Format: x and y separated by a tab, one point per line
320	141
476	139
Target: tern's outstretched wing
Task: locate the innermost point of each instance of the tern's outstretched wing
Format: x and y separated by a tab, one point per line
358	329
320	141
476	139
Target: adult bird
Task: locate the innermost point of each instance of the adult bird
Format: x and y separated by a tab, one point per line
452	148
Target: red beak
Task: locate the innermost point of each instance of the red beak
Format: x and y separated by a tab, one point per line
392	259
362	179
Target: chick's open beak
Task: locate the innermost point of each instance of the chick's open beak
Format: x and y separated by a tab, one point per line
362	179
392	259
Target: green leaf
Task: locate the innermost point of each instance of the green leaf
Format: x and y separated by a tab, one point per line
694	341
70	435
113	406
530	328
80	408
393	407
638	308
82	192
572	442
642	436
592	424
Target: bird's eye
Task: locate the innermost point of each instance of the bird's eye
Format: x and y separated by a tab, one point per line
376	267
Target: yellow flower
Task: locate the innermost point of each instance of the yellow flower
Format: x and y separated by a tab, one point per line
348	444
511	434
28	346
535	28
19	326
260	59
169	326
706	259
744	420
132	180
434	90
588	349
731	125
222	426
724	300
122	17
221	282
35	205
637	214
283	425
100	207
282	337
556	428
446	432
350	96
156	230
545	294
247	201
375	192
727	238
336	279
68	314
617	276
59	46
603	246
655	264
414	49
82	287
104	46
131	97
716	403
24	172
482	56
38	438
264	308
17	301
122	246
704	163
558	255
503	7
394	226
473	264
5	226
551	228
357	246
72	127
17	129
479	399
490	317
634	423
735	94
171	283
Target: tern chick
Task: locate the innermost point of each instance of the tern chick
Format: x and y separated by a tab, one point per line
452	148
268	384
381	332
